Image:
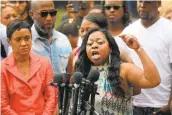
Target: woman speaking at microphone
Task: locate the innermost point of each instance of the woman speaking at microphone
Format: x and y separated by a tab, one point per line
100	51
25	76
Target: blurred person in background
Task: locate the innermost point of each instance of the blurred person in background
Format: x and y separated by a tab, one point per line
8	13
23	7
3	40
117	15
83	8
97	8
118	18
25	76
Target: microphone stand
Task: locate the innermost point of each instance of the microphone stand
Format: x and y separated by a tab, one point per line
59	96
84	106
93	92
65	98
80	106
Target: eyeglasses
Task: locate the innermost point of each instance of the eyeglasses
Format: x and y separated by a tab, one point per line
51	12
115	7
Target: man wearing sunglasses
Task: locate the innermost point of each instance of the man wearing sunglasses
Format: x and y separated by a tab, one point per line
117	15
118	18
46	40
154	33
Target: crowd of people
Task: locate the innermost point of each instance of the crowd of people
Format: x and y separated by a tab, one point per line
134	58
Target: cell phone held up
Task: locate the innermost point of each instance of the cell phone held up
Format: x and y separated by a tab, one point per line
76	5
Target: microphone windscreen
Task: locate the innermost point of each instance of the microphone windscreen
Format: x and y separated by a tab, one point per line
66	77
93	75
58	78
77	77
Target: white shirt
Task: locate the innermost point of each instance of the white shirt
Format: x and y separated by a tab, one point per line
121	44
157	42
3	38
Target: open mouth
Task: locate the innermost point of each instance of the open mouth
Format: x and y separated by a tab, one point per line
95	55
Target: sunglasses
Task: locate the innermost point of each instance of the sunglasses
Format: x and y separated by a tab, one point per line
115	7
51	12
15	2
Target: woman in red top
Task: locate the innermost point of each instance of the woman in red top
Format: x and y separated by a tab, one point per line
25	76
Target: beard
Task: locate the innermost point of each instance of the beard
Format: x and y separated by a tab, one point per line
46	31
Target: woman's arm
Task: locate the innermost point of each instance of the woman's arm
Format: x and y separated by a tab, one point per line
5	105
50	92
70	68
127	59
147	78
124	57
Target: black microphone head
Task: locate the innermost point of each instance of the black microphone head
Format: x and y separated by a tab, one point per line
58	78
66	77
93	75
77	78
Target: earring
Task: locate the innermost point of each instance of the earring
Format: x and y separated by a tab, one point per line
110	58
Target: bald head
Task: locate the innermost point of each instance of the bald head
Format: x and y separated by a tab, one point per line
38	4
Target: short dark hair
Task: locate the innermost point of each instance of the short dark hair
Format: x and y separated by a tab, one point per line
69	27
16	25
98	19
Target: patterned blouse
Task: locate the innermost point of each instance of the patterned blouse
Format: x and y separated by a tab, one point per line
107	103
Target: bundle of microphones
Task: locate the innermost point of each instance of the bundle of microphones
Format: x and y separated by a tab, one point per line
76	95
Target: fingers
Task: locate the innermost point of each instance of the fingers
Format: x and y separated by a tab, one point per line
123	36
128	39
156	112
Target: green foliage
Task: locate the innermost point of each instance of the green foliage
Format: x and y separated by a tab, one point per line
59	16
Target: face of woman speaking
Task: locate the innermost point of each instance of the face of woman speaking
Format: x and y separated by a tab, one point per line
97	48
21	42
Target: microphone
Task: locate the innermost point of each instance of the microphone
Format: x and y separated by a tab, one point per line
65	78
77	78
93	76
57	80
57	83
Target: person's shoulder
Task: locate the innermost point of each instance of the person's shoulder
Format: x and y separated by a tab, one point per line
124	67
38	58
63	41
132	26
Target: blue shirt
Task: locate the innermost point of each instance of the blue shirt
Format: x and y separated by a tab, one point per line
57	52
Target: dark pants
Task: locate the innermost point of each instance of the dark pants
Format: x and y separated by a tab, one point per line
146	111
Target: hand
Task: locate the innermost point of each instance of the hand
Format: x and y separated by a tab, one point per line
70	11
161	110
131	41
